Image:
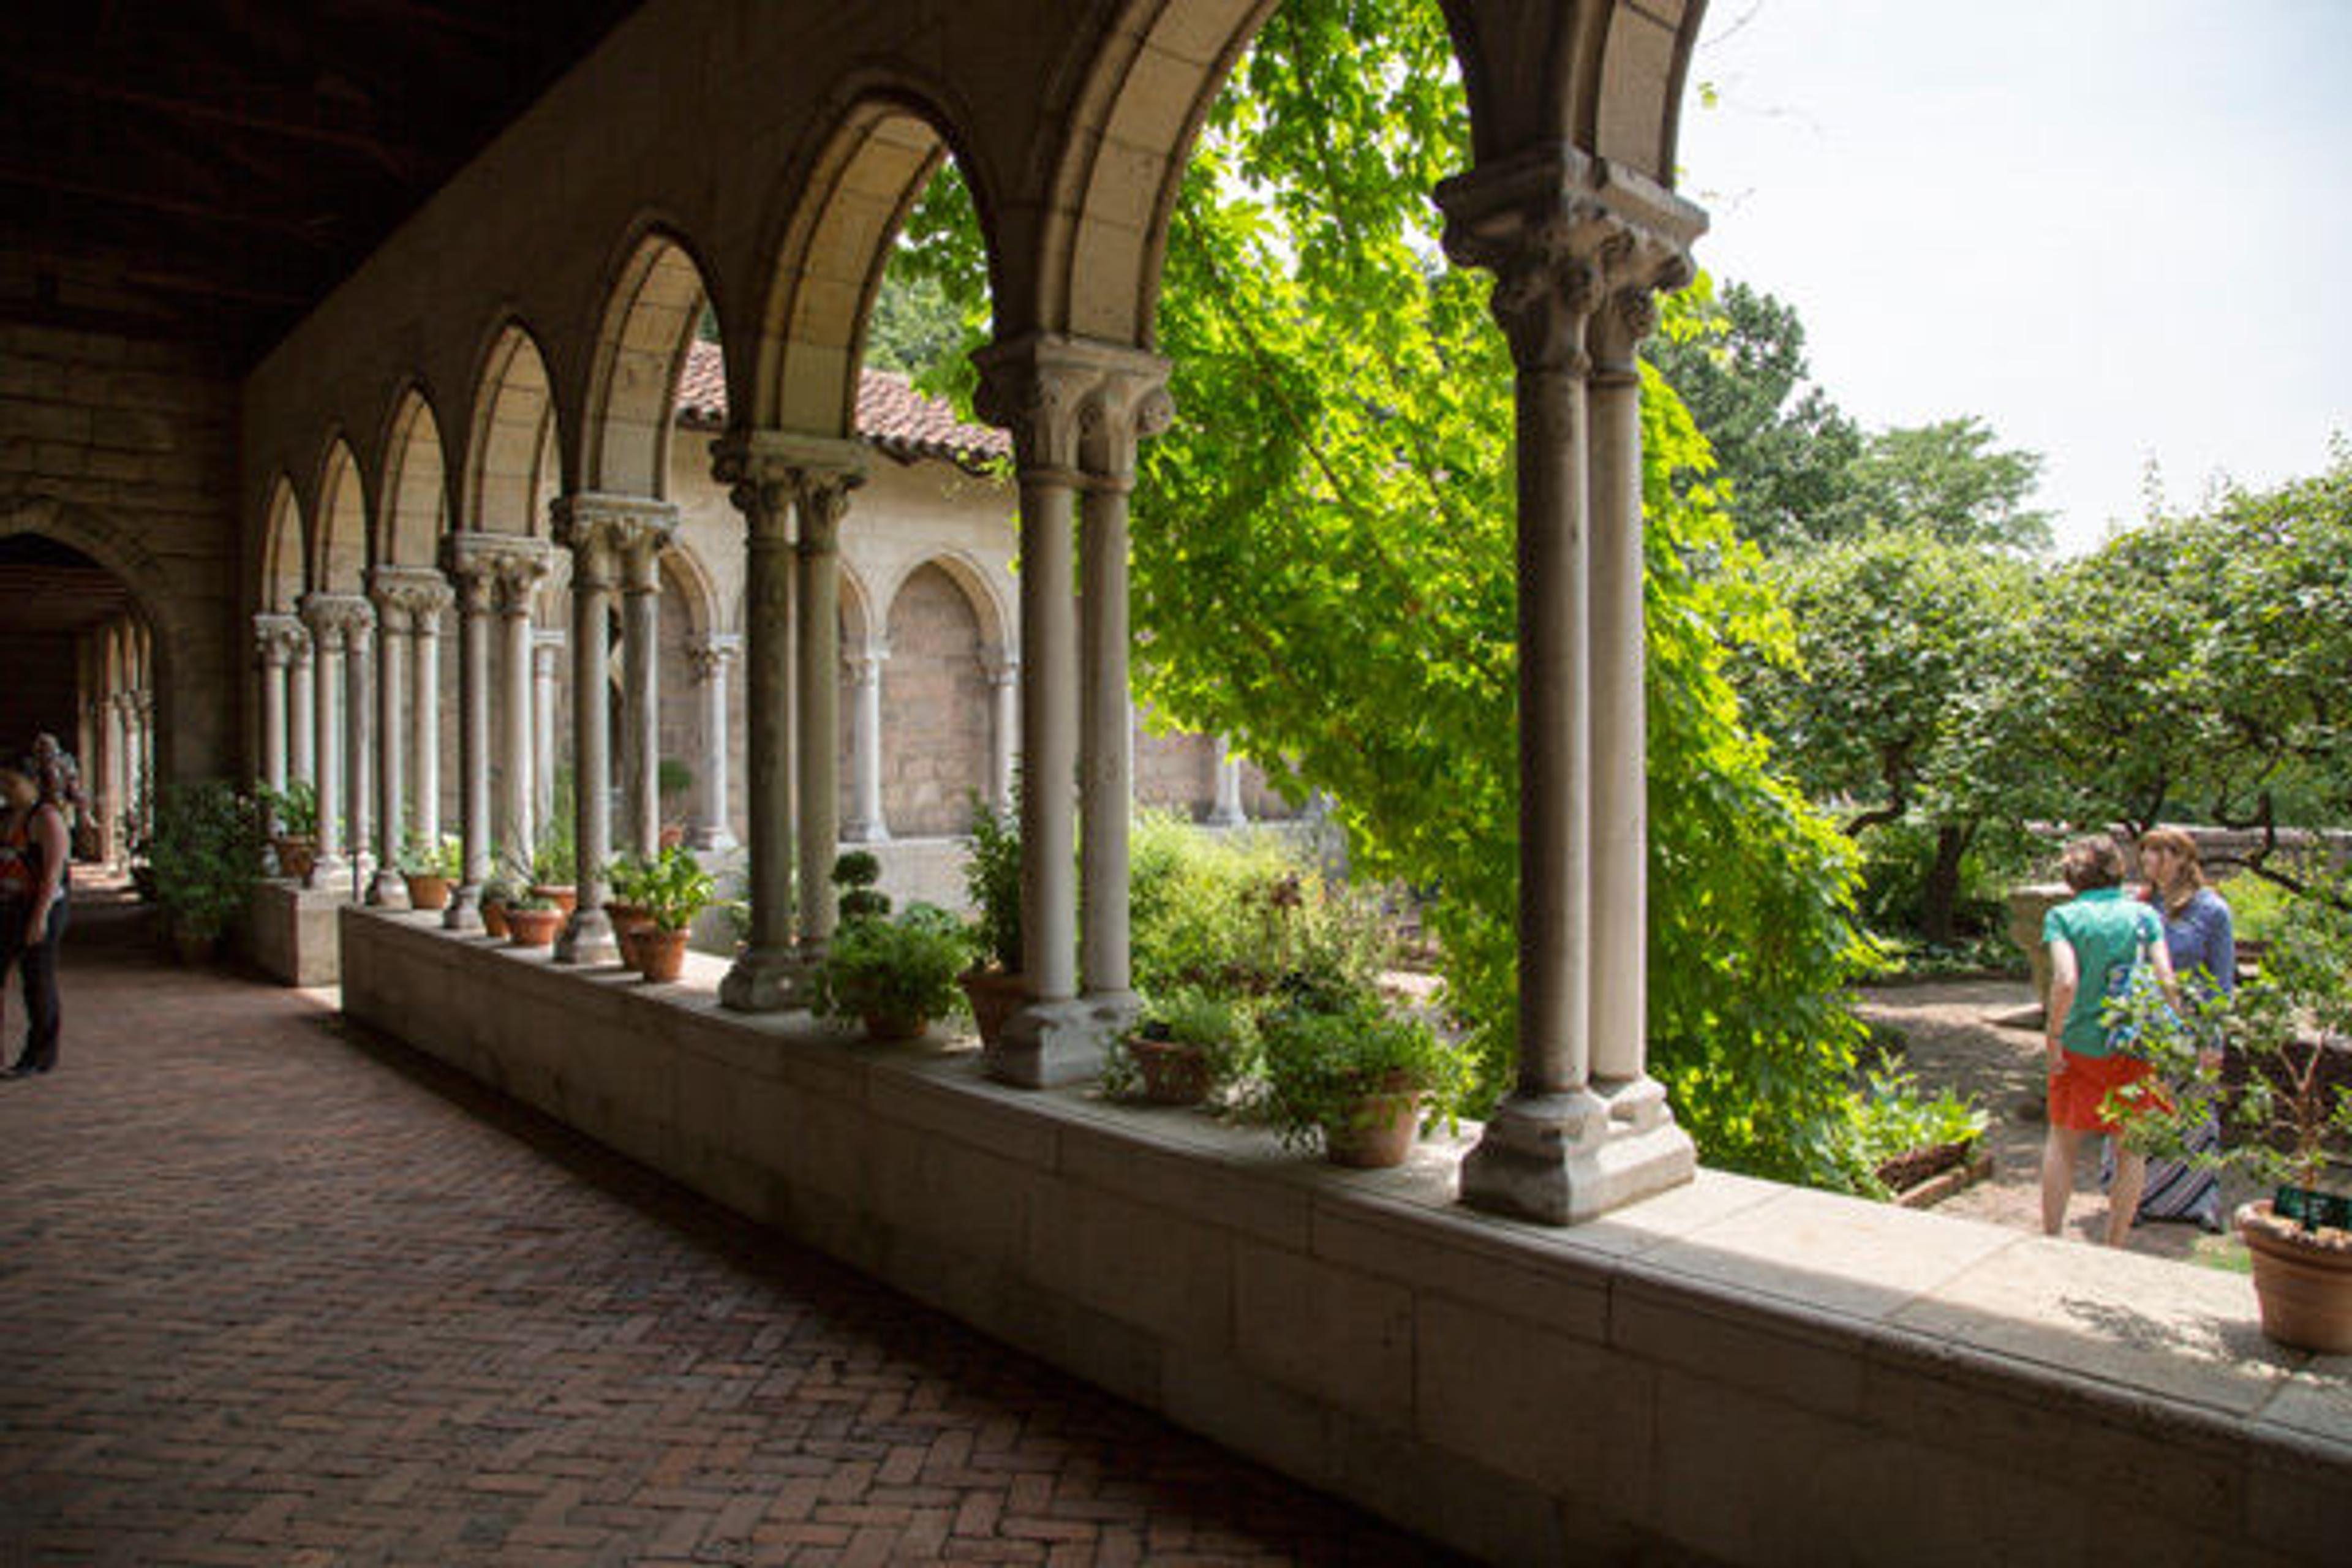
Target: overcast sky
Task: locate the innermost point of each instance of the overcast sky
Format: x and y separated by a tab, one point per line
2116	229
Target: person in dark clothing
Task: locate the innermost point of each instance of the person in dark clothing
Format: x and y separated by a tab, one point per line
33	887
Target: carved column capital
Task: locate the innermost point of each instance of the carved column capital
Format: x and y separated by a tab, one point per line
864	665
1074	403
772	474
280	639
710	657
406	596
1001	662
337	620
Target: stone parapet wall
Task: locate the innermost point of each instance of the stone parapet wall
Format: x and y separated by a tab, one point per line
1734	1372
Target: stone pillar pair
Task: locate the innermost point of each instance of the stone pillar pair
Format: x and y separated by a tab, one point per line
409	602
711	657
1227	811
493	574
282	645
609	537
1579	248
1076	410
342	627
863	667
793	492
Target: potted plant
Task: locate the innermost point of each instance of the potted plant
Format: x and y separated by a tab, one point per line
673	781
291	816
2283	1089
855	872
203	855
1185	1043
992	878
555	866
1341	1069
674	888
497	893
431	869
626	877
532	920
894	975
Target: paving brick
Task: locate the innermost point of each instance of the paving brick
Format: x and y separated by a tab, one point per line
273	1291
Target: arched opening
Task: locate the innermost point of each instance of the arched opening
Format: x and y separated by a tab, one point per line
339	554
657	331
936	707
514	460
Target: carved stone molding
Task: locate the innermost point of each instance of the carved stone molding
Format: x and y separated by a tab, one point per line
709	657
1075	406
281	639
768	474
337	620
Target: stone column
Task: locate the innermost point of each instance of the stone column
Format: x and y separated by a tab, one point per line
600	530
546	670
467	559
1227	811
640	679
392	620
866	824
710	658
301	715
359	740
330	619
1003	668
1566	236
776	480
519	572
282	641
429	598
1076	410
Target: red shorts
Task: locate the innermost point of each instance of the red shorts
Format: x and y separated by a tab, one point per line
2079	1090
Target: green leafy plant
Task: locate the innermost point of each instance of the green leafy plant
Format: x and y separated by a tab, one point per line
555	854
672	779
991	879
1322	1061
291	812
626	876
1213	1028
204	854
855	872
896	975
529	901
446	858
674	889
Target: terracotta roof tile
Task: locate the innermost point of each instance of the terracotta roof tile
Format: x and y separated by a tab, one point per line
890	413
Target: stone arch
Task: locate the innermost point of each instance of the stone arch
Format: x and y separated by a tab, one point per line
651	312
936	705
282	581
338	552
692	586
994	617
513	455
865	172
413	512
859	621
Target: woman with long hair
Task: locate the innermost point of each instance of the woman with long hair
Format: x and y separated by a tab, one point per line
2201	936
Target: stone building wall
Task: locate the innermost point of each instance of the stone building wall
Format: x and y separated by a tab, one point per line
935	701
126	450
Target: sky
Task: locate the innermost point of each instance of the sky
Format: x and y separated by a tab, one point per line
2117	230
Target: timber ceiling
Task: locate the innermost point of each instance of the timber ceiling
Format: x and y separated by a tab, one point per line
206	171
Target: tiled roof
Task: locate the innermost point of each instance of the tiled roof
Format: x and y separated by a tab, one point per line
891	414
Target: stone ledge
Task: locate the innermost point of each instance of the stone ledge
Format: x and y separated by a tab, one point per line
1769	1329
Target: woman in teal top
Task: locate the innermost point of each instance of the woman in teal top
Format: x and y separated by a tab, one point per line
2098	943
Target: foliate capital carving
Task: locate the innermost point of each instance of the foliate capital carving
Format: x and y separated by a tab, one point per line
1577	244
1075	408
820	501
767	471
1001	663
409	596
709	657
281	639
491	568
337	620
863	665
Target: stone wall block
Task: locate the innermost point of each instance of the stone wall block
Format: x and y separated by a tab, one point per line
1140	1265
1330	1332
1574	1417
1459	1253
965	1108
1499	1518
1178	1178
1784	1356
1208	1391
941	1193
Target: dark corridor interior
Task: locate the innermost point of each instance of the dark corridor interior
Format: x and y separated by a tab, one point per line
50	594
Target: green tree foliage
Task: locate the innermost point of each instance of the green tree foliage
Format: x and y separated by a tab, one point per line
1949	480
1783	451
1901	640
2196	668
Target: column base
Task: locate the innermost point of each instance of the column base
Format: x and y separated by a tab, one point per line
709	835
464	909
1563	1159
768	980
587	938
329	873
1049	1044
865	833
389	891
1223	818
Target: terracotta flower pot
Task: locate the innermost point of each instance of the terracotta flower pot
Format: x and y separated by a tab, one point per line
629	921
995	996
296	857
567	898
1378	1131
889	1027
661	954
2301	1284
494	917
533	928
427	891
1175	1072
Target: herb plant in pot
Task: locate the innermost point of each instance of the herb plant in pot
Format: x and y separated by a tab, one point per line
431	869
1341	1070
674	890
203	855
2284	1097
497	893
291	815
532	920
991	879
1184	1046
626	876
893	976
555	866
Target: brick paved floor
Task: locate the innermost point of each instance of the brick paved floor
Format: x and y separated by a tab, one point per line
274	1293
